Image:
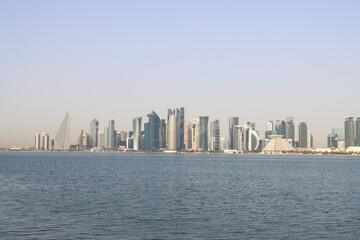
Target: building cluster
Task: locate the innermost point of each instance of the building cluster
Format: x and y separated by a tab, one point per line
176	134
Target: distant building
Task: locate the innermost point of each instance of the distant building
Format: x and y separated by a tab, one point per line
37	141
332	140
187	135
162	134
101	139
277	145
357	131
290	128
280	128
232	122
45	139
94	128
195	133
83	140
172	132
136	133
204	132
224	143
303	135
152	132
349	132
180	119
215	134
62	138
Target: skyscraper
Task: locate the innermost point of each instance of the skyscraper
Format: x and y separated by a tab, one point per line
94	128
238	138
101	139
62	138
162	134
136	133
112	135
215	133
290	128
152	131
45	141
204	132
187	135
349	132
232	121
280	128
303	135
357	131
172	132
195	133
37	141
180	118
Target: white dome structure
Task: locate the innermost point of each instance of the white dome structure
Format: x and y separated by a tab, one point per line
277	144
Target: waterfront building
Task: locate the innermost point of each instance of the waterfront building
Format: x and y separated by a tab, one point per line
339	132
309	139
106	138
136	133
162	134
172	132
45	141
290	128
215	133
83	140
357	132
224	143
129	143
253	140
101	139
204	132
303	135
152	132
232	122
180	118
270	126
332	140
211	144
123	136
280	128
349	132
62	138
278	145
52	144
187	135
94	128
238	143
37	141
111	135
195	133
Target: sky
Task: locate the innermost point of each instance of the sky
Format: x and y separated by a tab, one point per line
258	60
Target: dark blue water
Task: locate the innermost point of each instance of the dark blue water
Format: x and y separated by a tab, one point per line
151	196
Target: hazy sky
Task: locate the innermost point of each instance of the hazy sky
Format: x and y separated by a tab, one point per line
258	60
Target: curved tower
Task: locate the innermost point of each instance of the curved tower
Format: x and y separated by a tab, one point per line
172	141
136	133
232	122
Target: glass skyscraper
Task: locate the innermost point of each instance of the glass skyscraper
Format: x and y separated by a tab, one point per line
204	133
357	132
136	133
215	133
349	132
152	131
232	122
94	128
303	135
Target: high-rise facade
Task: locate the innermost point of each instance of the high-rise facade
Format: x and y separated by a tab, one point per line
280	128
357	132
349	132
204	132
136	133
195	133
152	132
101	139
290	128
45	141
94	128
215	134
180	118
172	132
187	135
232	122
162	134
111	135
303	135
238	138
37	141
62	138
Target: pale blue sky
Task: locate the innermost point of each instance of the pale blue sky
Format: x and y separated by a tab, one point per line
258	60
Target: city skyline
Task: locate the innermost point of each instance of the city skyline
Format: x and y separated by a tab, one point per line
255	60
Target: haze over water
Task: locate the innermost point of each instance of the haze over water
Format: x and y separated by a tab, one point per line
178	196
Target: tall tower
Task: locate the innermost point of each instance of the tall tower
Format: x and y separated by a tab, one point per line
94	128
187	135
349	132
62	138
136	133
303	135
357	131
37	141
172	132
204	132
290	128
112	135
215	133
232	121
195	133
152	132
